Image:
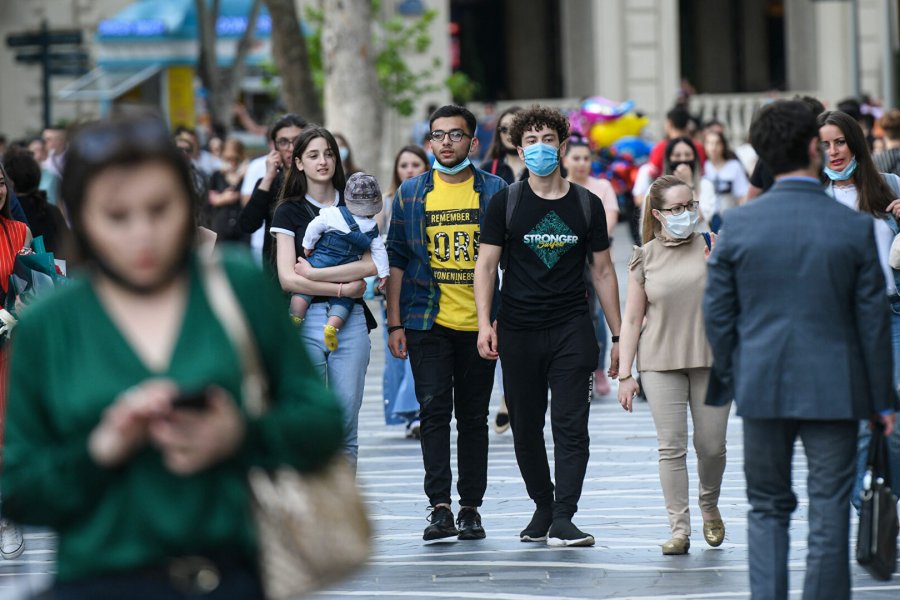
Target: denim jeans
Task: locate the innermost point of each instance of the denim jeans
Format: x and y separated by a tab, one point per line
865	435
450	374
399	392
343	370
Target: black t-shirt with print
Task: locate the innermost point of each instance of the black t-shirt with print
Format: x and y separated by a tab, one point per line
549	242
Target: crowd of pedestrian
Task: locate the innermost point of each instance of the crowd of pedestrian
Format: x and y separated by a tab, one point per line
125	394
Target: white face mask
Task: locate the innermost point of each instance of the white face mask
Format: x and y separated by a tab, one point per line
681	226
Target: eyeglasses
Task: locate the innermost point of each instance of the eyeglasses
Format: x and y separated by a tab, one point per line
677	210
285	143
456	135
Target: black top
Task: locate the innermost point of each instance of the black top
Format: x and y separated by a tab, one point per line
762	177
45	219
224	219
258	212
294	216
549	243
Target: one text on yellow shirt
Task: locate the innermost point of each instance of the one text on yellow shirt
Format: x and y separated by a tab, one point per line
452	229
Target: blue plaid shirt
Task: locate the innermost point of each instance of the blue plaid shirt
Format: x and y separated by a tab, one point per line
407	246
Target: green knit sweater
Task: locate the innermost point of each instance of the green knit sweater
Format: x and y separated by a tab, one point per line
69	361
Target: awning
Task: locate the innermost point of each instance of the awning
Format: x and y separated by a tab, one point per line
106	84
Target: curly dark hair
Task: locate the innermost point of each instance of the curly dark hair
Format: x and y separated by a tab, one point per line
536	118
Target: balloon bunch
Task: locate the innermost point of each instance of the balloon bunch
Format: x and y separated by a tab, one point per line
604	122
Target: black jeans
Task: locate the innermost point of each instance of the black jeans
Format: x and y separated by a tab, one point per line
449	373
562	358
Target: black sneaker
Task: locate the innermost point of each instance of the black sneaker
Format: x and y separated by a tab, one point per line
469	524
441	524
564	533
536	531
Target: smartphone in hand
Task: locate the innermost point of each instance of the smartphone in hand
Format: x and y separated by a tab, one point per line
196	400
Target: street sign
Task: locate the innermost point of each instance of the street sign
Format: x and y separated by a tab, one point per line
36	47
36	38
35	57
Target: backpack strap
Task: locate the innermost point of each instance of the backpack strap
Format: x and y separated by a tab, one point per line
494	166
512	201
584	199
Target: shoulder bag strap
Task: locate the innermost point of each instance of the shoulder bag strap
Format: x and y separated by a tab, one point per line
494	166
225	305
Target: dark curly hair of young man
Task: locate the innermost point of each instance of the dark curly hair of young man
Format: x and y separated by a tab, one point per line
537	117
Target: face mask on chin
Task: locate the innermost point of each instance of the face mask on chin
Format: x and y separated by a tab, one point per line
844	175
438	166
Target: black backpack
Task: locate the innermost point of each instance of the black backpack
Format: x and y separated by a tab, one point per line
512	202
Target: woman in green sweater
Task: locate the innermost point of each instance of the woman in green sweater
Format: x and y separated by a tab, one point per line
149	499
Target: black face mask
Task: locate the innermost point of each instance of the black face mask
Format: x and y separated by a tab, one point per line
676	163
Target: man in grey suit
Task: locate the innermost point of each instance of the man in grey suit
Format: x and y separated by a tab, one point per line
798	323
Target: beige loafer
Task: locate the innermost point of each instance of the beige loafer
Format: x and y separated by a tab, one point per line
714	532
675	546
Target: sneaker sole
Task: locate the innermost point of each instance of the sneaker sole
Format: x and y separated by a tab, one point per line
471	536
560	543
528	538
430	537
13	555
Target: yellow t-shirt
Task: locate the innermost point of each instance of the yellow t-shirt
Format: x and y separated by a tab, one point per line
452	228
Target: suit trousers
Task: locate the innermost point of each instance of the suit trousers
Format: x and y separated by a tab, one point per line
830	448
670	394
562	358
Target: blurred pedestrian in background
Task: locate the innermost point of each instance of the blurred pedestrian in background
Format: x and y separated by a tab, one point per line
727	176
224	201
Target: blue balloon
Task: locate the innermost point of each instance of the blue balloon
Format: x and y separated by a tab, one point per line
636	146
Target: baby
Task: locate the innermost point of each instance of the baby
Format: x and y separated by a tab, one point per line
340	235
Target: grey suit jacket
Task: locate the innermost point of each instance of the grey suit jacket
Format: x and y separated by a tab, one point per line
795	310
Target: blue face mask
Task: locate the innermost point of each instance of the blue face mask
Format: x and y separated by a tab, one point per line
844	175
451	170
541	159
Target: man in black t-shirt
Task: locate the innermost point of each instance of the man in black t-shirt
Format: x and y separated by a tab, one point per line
544	334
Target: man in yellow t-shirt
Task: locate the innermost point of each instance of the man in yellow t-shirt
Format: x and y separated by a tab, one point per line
432	246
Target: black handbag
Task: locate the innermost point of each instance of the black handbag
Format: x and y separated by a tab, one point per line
876	545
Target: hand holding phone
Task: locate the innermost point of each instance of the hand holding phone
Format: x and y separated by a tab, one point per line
196	400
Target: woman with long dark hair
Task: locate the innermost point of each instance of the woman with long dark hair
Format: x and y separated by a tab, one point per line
851	178
127	430
315	180
727	176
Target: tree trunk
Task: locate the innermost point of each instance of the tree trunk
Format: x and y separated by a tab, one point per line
222	84
352	94
292	61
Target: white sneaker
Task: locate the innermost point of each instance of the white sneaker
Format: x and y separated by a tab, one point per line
12	543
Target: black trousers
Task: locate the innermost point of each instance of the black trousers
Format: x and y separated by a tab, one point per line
450	374
562	358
